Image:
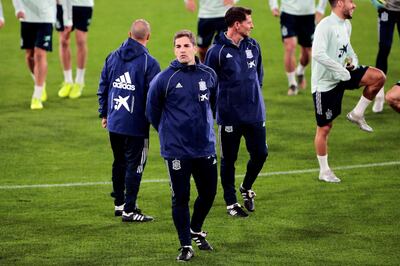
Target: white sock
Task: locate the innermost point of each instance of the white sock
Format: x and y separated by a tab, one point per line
323	163
37	93
361	106
381	94
33	76
300	69
291	78
80	76
68	76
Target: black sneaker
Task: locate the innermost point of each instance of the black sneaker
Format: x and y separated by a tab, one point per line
136	216
200	240
186	253
293	90
301	81
248	197
236	211
118	210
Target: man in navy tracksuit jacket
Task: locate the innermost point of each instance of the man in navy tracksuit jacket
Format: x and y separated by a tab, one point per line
122	95
179	106
236	58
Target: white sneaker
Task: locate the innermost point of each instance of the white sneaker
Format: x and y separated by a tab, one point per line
360	121
378	105
328	176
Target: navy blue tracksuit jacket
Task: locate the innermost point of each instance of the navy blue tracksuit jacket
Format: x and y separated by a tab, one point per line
123	88
179	106
240	74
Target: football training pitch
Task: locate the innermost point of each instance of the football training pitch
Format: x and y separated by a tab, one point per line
55	164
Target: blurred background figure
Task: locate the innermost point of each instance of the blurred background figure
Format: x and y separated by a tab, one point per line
1	16
36	40
297	18
393	97
211	21
388	17
73	15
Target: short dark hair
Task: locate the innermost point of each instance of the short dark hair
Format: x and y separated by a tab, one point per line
185	33
236	13
333	3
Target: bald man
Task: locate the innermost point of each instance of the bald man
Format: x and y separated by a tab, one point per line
122	96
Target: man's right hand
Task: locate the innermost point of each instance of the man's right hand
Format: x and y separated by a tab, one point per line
275	12
20	15
191	5
104	122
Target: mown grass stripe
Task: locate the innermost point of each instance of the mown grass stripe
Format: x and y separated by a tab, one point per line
290	172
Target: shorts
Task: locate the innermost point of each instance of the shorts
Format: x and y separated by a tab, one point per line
81	18
301	26
59	26
328	104
36	35
207	28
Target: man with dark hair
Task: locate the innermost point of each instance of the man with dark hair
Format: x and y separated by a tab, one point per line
180	107
388	18
297	19
236	58
122	95
211	21
393	97
334	69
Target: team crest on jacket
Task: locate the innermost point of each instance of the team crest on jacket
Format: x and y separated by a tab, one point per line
202	85
176	165
228	129
249	54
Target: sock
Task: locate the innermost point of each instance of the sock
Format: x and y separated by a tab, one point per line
37	93
291	78
323	162
381	94
68	76
300	69
80	76
361	106
33	77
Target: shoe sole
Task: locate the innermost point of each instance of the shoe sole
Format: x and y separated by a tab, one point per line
135	221
328	181
356	123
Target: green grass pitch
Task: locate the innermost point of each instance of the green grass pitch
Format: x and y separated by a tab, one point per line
298	220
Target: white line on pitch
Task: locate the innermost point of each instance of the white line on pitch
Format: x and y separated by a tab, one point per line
291	172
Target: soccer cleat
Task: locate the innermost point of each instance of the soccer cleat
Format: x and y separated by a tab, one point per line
293	90
378	105
118	210
36	104
65	89
76	91
44	94
328	176
301	80
360	121
200	240
236	211
248	197
186	253
136	216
